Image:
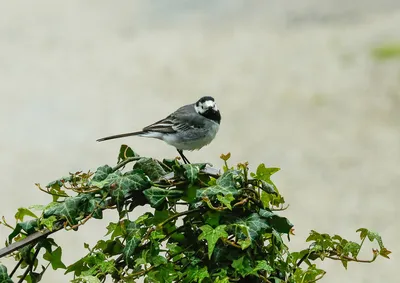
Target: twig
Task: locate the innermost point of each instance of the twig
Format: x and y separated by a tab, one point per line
319	278
29	269
265	279
280	208
351	259
169	219
16	267
126	161
231	243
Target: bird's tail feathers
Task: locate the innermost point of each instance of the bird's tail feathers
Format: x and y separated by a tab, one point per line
122	136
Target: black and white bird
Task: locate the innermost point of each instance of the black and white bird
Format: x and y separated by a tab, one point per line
190	127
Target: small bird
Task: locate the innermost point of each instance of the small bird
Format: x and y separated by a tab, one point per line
190	127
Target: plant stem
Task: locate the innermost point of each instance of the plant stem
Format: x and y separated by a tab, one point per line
29	269
126	161
177	216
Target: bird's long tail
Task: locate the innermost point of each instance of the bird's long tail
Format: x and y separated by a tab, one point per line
121	136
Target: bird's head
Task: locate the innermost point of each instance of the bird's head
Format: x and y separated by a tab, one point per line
207	107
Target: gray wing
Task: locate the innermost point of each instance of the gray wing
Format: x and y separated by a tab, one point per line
183	119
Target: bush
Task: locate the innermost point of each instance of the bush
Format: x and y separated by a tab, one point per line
204	227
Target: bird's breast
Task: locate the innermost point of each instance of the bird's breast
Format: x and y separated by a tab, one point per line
193	139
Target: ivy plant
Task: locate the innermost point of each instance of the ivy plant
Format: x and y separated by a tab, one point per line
205	225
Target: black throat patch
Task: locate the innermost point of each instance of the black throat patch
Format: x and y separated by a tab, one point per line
212	115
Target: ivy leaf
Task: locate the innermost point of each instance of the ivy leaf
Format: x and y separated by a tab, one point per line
151	167
22	212
118	196
130	181
55	258
95	206
102	173
86	279
244	244
156	196
191	171
158	260
351	247
263	265
69	209
264	173
371	236
385	252
125	152
242	266
29	226
49	222
134	234
250	228
268	188
212	236
4	278
130	246
224	185
280	224
143	218
222	277
165	274
226	200
196	274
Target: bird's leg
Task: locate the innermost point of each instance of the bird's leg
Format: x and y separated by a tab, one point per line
183	157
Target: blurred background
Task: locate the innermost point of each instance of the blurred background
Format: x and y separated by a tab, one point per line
311	86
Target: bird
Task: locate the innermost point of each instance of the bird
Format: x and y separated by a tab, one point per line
191	127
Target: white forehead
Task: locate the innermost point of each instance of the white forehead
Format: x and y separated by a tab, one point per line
208	104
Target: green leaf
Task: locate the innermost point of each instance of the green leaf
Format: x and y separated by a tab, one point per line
222	276
69	209
224	185
226	200
143	218
49	222
242	266
57	184
86	279
196	274
28	226
151	167
158	260
157	196
190	194
264	173
55	258
212	236
118	195
115	229
252	226
134	234
191	171
263	265
280	224
164	274
94	206
22	212
268	188
130	181
351	247
102	173
130	246
125	152
244	244
4	278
